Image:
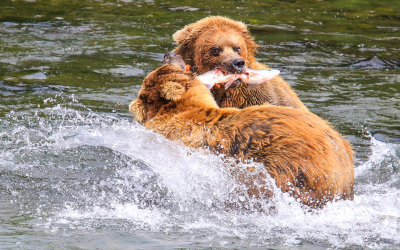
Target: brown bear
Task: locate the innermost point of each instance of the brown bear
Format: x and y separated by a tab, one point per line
227	44
299	150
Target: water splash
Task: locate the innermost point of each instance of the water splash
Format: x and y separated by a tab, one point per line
72	169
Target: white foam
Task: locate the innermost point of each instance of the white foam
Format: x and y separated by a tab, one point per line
379	151
198	184
151	219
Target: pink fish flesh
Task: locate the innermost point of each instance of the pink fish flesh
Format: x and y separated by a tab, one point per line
252	77
216	76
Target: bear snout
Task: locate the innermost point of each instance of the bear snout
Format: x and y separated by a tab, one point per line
234	66
237	65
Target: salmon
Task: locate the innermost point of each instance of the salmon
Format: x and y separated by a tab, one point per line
251	77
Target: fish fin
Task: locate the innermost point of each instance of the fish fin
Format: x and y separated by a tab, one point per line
228	84
252	86
232	84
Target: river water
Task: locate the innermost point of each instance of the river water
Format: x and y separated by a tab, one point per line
77	172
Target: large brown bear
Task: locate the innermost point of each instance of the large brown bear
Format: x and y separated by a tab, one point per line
305	156
221	42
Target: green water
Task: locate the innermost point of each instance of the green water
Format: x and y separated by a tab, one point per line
69	69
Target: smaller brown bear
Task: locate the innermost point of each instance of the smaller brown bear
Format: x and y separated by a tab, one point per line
301	152
219	42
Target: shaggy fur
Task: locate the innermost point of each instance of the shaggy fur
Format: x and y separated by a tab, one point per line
305	156
197	43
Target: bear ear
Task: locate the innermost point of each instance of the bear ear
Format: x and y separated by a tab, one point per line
187	36
172	91
138	110
180	36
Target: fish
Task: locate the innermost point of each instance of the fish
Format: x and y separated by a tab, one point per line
216	77
255	77
251	77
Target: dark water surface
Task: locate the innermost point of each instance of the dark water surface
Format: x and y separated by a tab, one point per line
76	171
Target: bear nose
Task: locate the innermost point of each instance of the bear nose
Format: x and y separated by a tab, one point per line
238	64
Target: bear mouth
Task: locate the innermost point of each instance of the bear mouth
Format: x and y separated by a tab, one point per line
227	68
224	71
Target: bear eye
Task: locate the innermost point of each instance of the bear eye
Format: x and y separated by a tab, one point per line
215	51
236	49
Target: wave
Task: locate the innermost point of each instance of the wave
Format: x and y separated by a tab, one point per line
75	169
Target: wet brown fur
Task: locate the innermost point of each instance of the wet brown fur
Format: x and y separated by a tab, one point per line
303	154
195	42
